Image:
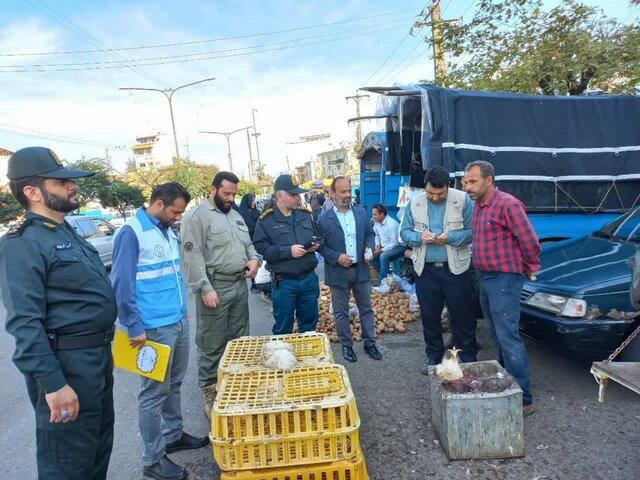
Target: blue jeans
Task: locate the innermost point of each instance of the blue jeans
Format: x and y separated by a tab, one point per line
383	261
500	302
297	297
159	407
434	287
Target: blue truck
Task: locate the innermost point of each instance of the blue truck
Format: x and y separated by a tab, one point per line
573	161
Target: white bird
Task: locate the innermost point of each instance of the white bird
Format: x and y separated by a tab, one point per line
449	369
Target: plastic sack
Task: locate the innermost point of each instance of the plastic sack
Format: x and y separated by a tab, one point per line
403	283
414	306
384	288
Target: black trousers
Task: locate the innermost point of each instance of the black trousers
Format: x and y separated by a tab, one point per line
435	287
78	450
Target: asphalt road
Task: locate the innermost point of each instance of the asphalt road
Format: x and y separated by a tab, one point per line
571	436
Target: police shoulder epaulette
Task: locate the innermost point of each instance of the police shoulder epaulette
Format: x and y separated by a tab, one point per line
266	213
17	230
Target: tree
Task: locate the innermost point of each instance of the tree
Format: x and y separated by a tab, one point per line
121	196
194	177
89	188
518	46
245	187
10	209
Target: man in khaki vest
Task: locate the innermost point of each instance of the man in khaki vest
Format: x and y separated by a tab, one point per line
437	224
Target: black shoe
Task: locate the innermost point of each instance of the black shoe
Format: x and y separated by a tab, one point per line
165	469
373	351
348	354
186	442
428	362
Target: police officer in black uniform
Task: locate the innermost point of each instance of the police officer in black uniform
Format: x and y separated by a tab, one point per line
287	238
61	310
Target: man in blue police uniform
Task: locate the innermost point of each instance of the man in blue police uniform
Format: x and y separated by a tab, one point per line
287	239
61	310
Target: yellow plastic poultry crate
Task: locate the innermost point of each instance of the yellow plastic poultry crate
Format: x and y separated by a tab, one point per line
244	353
270	418
354	469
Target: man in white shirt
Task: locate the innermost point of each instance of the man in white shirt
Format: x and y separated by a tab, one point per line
387	248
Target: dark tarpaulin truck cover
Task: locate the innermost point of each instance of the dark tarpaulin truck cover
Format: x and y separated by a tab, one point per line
556	153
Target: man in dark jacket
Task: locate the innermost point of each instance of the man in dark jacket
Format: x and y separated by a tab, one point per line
286	238
347	251
61	310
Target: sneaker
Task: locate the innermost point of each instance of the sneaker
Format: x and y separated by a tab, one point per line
348	354
165	469
187	442
528	409
209	392
373	352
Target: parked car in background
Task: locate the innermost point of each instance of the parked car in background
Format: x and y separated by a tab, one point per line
581	281
98	232
118	220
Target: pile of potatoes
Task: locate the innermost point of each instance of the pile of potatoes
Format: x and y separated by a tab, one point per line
391	311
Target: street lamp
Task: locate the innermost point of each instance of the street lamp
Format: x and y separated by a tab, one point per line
227	135
168	92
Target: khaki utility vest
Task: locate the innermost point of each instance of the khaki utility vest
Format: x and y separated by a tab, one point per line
459	258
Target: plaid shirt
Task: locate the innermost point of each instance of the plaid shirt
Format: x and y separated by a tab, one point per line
503	238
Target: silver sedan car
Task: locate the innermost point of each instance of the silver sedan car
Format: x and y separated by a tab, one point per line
98	232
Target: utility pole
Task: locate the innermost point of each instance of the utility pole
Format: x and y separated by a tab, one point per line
439	65
227	135
168	93
356	98
252	167
256	134
434	12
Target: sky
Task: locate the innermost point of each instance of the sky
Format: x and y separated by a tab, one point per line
293	61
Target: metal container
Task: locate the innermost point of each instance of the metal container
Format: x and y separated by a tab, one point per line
478	425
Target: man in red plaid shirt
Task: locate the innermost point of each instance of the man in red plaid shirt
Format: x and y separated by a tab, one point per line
505	249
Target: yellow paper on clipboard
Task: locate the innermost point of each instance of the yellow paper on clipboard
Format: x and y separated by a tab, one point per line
151	360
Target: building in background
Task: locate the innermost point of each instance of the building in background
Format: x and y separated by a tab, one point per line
153	151
339	161
4	164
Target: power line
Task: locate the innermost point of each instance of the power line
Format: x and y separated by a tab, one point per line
70	26
468	8
400	62
211	52
297	44
211	40
29	132
447	6
387	59
408	65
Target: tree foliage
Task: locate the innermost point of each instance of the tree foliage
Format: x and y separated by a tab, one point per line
519	46
10	209
121	196
196	178
245	187
89	187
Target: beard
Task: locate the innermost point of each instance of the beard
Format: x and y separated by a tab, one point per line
60	204
343	203
225	208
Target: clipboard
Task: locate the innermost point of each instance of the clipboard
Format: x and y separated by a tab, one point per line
151	360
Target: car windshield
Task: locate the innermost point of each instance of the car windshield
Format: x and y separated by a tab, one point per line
625	228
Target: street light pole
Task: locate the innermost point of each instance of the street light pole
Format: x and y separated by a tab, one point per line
227	135
168	93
